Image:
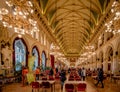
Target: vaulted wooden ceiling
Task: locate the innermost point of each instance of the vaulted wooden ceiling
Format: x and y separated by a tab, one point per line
73	21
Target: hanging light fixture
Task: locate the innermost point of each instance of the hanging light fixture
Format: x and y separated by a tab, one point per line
114	24
19	16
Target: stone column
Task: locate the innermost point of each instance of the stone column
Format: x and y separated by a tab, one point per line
105	65
0	54
115	66
99	64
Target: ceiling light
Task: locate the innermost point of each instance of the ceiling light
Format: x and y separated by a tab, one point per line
19	16
112	25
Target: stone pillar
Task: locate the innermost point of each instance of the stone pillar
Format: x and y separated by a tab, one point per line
115	66
112	67
0	54
105	65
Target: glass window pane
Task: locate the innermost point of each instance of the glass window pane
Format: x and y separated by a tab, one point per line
20	54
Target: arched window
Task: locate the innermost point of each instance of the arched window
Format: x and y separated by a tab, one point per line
36	54
20	54
43	60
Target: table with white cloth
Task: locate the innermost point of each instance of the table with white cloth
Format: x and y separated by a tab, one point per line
52	82
72	82
115	78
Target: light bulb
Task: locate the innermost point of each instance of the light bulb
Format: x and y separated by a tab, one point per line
19	35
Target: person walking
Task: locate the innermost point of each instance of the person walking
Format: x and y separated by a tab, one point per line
100	77
62	77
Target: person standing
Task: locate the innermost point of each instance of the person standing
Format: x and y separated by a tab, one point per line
100	77
37	72
62	77
51	72
83	74
56	70
24	75
79	72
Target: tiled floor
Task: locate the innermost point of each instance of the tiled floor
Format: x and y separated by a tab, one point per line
109	87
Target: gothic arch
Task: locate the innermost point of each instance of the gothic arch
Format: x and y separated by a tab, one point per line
14	36
101	56
109	57
26	54
117	57
100	59
117	52
37	55
109	53
43	59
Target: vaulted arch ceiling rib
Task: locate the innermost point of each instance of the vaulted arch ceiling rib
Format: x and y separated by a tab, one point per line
73	22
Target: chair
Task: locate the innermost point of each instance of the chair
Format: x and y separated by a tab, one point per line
71	76
45	85
57	77
81	87
69	87
78	79
44	78
71	79
51	78
1	86
35	86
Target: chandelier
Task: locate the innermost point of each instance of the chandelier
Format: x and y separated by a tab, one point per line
89	51
18	15
114	24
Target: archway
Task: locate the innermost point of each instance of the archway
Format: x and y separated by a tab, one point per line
95	61
20	54
101	59
43	60
37	59
109	55
118	59
118	51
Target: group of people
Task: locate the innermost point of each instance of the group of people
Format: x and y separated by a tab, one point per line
100	76
82	73
29	76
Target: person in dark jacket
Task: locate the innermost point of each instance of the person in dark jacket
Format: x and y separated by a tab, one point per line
100	77
56	69
62	77
51	72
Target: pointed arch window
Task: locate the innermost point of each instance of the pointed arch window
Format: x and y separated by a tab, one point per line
36	62
43	60
20	54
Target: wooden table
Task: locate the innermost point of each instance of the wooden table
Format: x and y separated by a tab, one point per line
115	78
52	82
94	77
72	82
1	88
